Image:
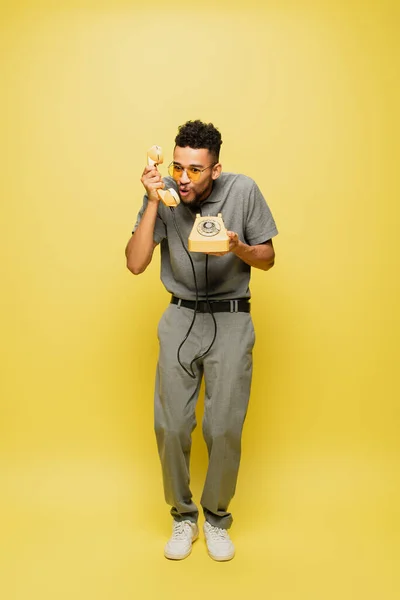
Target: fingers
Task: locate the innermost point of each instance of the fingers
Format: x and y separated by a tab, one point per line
150	169
152	181
150	173
233	240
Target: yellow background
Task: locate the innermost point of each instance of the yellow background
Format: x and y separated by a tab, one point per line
305	95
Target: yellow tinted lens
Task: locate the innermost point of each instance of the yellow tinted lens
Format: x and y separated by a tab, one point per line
193	173
175	171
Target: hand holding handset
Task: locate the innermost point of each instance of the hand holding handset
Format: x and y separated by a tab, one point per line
155	158
208	235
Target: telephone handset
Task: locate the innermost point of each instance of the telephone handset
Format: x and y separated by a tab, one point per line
208	235
155	157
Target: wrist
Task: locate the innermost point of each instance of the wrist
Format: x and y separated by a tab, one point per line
153	201
239	248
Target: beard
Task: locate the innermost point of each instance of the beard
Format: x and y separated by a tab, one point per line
198	199
195	203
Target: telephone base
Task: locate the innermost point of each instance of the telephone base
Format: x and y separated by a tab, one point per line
208	246
208	235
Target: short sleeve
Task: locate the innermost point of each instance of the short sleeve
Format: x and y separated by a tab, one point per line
259	222
160	231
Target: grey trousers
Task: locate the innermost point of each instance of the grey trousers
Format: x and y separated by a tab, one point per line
227	371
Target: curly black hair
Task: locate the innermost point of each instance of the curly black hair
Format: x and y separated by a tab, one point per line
197	134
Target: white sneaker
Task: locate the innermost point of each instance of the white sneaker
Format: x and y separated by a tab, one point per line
219	544
184	533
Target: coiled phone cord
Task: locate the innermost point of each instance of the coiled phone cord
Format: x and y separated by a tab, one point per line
191	372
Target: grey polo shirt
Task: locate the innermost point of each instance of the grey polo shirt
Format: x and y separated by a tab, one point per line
244	211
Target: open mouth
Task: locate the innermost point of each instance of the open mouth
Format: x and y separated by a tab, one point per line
184	191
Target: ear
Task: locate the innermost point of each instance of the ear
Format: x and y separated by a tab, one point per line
216	171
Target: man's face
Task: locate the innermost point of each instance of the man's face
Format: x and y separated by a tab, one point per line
193	193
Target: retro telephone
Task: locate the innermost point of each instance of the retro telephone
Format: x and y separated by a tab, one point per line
155	157
208	235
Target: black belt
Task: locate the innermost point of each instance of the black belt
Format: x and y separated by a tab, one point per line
241	305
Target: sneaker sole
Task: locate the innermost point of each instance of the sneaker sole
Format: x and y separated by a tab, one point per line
221	558
181	556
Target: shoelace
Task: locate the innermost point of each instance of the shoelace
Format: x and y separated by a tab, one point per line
217	534
181	528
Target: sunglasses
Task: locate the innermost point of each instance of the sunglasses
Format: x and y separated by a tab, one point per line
176	171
